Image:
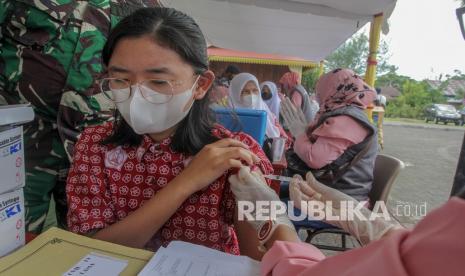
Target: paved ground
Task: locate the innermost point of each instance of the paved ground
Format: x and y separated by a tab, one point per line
430	153
422	124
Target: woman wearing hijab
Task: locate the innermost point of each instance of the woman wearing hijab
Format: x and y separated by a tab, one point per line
341	143
291	87
270	96
244	92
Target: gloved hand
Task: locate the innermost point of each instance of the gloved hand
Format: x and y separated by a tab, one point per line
251	187
365	231
299	191
293	117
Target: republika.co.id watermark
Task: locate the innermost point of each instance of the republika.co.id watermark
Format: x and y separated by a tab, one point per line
328	211
409	209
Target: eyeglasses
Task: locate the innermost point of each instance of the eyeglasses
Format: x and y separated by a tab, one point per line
118	90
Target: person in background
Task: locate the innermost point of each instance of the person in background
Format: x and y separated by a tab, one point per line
219	96
50	56
160	171
380	99
290	86
341	142
228	74
433	247
245	93
270	96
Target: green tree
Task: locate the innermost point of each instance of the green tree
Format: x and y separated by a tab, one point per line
458	75
392	79
413	100
460	94
353	54
309	78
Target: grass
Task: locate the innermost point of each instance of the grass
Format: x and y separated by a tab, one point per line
417	121
405	120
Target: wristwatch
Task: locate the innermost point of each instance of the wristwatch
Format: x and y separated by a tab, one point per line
265	231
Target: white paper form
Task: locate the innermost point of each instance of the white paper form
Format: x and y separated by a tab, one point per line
94	264
184	259
186	248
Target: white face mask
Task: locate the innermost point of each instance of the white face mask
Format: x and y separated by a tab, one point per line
145	117
250	100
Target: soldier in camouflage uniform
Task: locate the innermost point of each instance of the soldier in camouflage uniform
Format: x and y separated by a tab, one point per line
50	56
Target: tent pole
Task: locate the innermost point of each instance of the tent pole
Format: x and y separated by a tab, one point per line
375	31
370	74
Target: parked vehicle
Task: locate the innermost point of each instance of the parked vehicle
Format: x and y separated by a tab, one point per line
443	113
462	112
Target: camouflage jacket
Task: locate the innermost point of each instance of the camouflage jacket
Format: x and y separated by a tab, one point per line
50	56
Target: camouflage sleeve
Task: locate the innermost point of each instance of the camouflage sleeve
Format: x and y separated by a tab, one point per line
82	103
5	7
78	111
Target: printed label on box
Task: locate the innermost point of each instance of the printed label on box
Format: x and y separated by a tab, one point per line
11	160
12	232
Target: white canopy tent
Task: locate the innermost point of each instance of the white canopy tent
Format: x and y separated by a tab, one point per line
309	29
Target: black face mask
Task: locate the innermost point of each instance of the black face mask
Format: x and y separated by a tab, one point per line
266	96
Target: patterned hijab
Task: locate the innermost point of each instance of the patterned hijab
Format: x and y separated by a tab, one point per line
340	88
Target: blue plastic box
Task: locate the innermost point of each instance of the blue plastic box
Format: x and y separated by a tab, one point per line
250	121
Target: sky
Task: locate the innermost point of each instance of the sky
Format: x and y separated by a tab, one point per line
425	38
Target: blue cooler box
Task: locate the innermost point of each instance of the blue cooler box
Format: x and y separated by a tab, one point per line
250	121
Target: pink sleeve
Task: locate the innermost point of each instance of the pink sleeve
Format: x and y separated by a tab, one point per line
434	247
333	137
290	258
322	152
297	99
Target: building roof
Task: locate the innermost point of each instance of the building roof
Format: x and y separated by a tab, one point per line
390	92
452	87
228	55
455	101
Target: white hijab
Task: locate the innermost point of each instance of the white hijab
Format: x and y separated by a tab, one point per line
235	91
274	102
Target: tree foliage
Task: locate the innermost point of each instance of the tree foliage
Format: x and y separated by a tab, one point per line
392	79
309	79
353	54
413	100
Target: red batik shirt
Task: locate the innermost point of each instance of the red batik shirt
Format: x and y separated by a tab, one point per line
108	182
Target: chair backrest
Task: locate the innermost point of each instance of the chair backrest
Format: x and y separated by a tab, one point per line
386	170
250	121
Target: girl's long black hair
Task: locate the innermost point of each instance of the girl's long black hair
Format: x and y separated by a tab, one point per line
180	33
